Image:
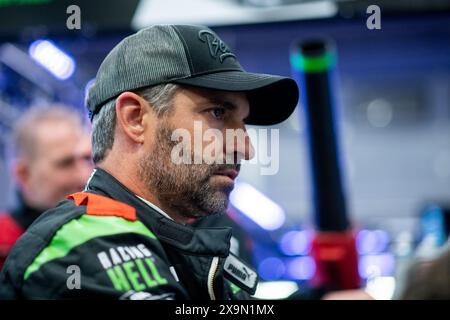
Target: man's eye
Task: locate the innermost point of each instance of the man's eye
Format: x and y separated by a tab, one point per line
218	113
65	163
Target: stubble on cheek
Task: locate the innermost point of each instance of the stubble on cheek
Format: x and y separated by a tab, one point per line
192	190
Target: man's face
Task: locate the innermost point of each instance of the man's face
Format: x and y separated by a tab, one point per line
195	190
61	164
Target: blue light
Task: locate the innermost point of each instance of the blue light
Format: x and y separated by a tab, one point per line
433	223
88	86
372	241
295	243
380	265
271	269
301	268
258	207
52	58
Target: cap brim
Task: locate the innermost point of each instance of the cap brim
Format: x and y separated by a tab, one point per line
272	99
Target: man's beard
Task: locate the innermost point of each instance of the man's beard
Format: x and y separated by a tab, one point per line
184	188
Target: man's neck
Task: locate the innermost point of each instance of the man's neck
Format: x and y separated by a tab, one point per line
25	213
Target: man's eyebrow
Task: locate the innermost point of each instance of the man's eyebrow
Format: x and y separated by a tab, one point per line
223	103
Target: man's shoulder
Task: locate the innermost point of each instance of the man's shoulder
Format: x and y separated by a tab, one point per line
77	231
35	238
78	205
80	218
39	234
52	219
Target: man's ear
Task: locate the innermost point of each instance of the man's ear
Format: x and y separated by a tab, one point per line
131	111
21	172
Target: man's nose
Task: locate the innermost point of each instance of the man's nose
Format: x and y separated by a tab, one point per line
242	146
248	147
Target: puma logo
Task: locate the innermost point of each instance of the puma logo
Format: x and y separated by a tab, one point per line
237	272
217	48
246	272
241	273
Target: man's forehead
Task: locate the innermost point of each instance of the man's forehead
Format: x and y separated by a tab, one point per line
46	130
56	134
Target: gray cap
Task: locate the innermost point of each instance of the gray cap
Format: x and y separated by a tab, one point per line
189	55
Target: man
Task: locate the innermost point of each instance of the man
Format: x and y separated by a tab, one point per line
129	235
52	159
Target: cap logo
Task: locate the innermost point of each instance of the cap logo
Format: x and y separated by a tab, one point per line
217	48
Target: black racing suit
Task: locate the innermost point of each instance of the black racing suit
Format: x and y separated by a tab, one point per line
107	243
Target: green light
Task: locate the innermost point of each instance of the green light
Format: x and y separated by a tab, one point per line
6	3
313	64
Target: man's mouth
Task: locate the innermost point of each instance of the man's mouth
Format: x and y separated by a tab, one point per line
230	173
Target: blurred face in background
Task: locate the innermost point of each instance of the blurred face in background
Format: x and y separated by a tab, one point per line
60	163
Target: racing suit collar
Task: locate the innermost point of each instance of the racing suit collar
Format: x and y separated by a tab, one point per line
197	241
160	211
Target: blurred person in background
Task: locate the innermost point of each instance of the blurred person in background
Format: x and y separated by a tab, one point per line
429	279
52	158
